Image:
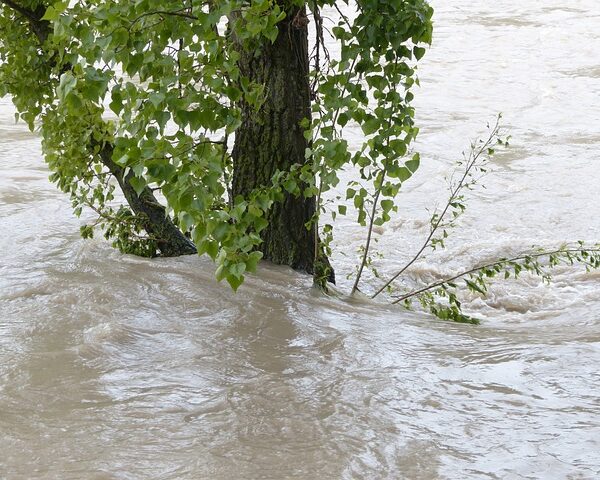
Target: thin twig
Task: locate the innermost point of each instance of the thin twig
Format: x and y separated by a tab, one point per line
369	234
453	196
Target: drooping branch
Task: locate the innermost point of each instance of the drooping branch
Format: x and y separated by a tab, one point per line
170	240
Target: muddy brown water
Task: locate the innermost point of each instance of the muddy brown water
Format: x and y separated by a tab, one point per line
115	367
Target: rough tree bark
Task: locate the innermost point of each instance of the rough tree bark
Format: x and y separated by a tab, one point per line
272	139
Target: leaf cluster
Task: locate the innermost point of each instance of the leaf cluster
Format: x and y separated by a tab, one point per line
158	83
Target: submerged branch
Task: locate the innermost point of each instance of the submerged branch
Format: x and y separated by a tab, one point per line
591	257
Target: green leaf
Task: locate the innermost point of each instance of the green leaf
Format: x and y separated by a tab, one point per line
404	174
67	84
235	281
399	147
252	261
237	269
387	205
51	14
413	165
156	98
210	247
138	184
474	286
371	126
419	52
220	273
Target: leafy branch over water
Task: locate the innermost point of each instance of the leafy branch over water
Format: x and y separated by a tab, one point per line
537	262
473	168
441	297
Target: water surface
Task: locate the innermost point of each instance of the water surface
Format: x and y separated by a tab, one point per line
115	367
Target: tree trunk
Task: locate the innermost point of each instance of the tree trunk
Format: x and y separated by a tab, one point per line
272	139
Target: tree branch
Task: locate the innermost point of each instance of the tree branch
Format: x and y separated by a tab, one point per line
453	195
41	28
496	263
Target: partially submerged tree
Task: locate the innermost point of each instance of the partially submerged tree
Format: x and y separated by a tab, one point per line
219	127
181	81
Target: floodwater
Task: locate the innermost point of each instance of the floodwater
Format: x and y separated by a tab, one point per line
115	367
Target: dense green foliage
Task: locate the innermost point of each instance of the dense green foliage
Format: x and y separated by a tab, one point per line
159	81
139	102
